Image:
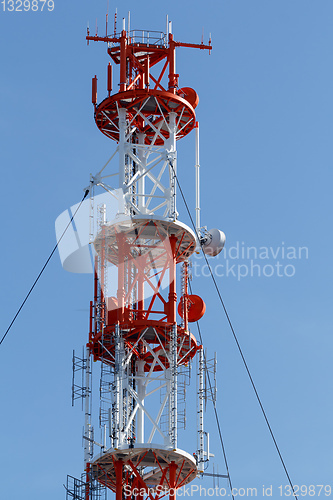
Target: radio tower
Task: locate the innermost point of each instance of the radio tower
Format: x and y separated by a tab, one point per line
144	351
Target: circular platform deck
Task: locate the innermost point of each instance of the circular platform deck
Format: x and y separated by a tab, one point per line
145	236
150	460
155	105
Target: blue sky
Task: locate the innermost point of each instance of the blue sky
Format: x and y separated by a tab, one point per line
265	117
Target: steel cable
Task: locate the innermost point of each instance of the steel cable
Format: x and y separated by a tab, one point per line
43	268
236	340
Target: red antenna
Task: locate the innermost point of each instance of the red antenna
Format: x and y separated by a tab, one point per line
94	91
109	79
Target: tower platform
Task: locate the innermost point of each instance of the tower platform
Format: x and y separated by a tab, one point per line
152	460
147	237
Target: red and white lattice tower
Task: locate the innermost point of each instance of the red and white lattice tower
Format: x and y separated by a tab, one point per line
134	332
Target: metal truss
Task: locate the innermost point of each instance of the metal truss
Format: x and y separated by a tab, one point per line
86	488
146	172
131	390
210	390
105	391
205	368
78	366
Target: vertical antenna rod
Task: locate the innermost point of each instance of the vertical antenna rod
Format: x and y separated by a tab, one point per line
115	23
197	179
107	19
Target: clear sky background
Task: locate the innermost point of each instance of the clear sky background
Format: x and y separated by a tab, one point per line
266	128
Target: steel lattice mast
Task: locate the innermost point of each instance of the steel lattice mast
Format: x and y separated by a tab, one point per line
134	333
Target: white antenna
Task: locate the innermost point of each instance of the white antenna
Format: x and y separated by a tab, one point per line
170	27
107	20
124	24
129	23
115	22
214	239
167	27
197	180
